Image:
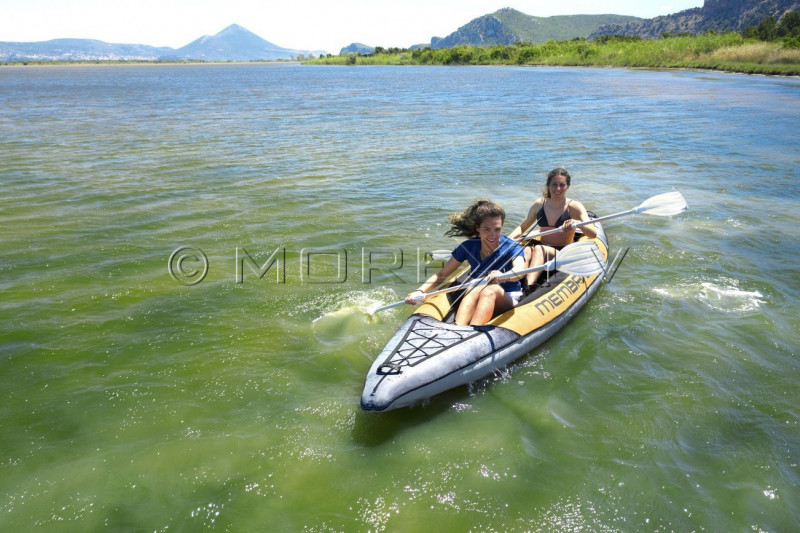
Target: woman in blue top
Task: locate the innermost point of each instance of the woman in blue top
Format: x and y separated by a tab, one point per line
489	254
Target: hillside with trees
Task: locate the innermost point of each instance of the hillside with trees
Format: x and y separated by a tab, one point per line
771	47
715	15
509	26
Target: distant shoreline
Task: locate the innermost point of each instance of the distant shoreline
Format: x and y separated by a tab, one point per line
727	52
136	63
156	64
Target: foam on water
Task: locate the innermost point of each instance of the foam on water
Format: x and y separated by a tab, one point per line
722	295
730	298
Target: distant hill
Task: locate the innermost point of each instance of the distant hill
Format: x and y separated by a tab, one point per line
357	48
234	43
715	15
78	50
509	26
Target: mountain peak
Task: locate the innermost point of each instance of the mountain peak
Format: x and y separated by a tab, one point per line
508	10
235	43
233	28
508	26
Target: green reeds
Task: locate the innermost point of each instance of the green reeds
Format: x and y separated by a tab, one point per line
725	51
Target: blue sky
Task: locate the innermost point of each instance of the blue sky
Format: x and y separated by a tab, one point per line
304	24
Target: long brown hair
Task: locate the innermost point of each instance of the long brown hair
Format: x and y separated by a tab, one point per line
466	223
559	171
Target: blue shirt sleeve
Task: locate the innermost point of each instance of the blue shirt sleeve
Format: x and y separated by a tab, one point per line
470	251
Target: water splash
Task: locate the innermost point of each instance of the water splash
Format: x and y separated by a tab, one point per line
354	303
347	317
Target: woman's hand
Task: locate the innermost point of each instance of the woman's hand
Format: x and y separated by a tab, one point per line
569	225
492	276
415	298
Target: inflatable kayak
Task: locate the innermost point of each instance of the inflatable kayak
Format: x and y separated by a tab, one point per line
430	354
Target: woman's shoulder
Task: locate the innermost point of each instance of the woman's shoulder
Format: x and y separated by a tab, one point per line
468	246
537	204
575	205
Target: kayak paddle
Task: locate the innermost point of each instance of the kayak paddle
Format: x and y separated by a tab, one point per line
662	205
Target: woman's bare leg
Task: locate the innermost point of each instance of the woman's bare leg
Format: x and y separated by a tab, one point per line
538	256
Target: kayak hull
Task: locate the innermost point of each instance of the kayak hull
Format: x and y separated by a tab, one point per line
429	355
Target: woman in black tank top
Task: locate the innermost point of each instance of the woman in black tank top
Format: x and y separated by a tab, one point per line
553	210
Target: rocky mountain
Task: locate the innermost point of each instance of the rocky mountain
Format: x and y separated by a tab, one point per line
715	15
509	26
234	43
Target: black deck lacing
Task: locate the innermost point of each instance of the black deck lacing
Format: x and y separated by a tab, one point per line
416	347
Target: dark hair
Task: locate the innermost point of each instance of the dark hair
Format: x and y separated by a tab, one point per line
558	171
466	223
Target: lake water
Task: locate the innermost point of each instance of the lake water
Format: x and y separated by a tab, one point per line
139	398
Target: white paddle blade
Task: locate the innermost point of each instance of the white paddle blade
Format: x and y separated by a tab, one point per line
580	259
440	255
664	205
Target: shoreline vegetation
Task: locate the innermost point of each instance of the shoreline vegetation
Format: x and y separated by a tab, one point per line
730	52
725	52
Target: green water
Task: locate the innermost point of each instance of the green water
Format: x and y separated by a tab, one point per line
135	400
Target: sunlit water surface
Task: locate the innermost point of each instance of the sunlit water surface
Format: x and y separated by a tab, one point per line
139	400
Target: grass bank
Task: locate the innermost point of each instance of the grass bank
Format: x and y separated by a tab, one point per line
726	51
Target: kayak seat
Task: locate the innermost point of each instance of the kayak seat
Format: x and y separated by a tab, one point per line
546	283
